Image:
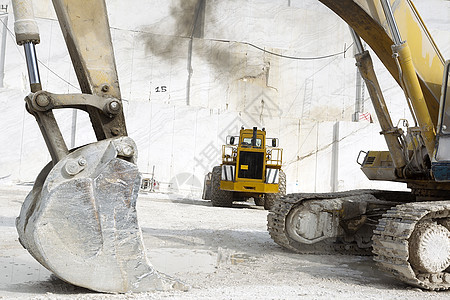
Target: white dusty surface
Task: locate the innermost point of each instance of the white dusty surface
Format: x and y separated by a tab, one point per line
223	253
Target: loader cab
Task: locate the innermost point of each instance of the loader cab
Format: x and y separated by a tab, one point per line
440	165
252	138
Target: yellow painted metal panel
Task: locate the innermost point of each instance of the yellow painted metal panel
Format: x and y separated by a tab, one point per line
366	17
427	59
249	187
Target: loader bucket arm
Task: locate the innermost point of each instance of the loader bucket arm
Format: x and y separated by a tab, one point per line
80	219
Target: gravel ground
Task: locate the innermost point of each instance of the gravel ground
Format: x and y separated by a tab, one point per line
222	253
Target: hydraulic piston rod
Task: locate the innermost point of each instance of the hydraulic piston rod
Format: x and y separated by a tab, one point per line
32	66
402	53
391	22
27	34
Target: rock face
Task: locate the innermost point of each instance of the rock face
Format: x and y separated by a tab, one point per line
80	221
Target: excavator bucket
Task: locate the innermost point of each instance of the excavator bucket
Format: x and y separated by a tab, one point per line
80	221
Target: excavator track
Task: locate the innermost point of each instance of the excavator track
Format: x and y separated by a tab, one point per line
395	243
278	220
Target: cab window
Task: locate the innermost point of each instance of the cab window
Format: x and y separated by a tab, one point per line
248	142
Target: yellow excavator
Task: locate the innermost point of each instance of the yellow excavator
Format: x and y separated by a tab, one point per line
80	222
408	232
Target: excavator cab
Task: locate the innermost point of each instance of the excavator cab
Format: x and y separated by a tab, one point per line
80	221
440	164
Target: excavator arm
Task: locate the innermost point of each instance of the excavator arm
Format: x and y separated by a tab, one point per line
86	31
80	219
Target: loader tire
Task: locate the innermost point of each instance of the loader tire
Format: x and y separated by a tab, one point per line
269	199
259	201
219	197
206	195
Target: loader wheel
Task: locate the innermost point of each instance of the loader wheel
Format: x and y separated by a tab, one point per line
259	201
269	199
219	197
206	195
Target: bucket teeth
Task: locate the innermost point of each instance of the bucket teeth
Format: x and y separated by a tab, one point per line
80	221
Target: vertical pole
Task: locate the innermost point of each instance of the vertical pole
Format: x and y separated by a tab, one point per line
359	99
4	19
74	128
152	181
335	159
317	159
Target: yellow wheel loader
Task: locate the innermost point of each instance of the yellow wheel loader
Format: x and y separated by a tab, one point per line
408	232
250	169
80	221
